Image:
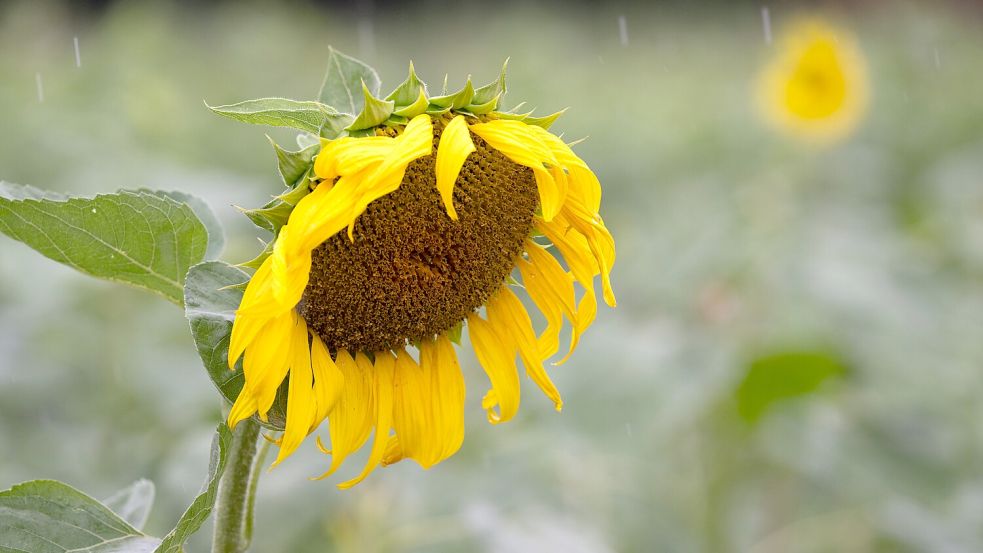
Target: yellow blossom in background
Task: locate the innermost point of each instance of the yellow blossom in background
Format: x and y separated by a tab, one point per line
815	87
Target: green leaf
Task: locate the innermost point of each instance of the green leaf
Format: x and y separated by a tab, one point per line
201	507
257	261
409	91
546	121
309	116
294	165
211	299
147	240
374	113
783	375
491	91
457	100
133	503
45	516
216	234
343	81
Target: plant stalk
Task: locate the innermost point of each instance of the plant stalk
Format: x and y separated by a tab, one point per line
232	506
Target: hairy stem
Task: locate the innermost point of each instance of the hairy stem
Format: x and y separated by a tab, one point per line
232	507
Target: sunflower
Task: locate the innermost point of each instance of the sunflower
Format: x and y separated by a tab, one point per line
420	219
816	86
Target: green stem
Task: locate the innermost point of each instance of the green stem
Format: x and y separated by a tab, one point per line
232	507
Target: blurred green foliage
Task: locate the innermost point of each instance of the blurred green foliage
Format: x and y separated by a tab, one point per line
732	239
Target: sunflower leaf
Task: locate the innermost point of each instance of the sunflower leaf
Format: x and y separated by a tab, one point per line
784	375
46	516
216	233
133	503
343	81
204	502
374	112
212	295
309	116
145	239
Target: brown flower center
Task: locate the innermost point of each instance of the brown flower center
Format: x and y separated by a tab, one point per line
413	272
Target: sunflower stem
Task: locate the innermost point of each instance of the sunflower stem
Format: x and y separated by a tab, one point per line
233	507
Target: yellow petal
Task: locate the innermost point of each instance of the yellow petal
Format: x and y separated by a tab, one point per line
382	372
522	145
497	356
243	408
447	384
583	182
601	243
350	422
291	269
453	149
266	361
301	405
508	316
415	142
551	288
328	381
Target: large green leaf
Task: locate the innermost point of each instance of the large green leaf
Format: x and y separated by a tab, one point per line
216	233
342	85
140	238
45	516
784	375
202	506
133	503
211	299
309	116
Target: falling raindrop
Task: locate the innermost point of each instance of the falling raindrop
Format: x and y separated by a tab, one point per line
366	37
628	429
623	30
78	56
37	79
766	23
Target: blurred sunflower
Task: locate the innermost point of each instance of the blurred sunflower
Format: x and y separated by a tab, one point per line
816	86
409	225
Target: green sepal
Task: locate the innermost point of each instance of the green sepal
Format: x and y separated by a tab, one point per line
257	261
409	91
457	100
362	133
294	165
276	212
307	116
374	113
491	91
454	334
545	121
343	78
416	108
527	118
482	109
396	120
437	110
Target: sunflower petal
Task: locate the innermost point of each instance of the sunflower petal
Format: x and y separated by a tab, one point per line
382	372
509	317
328	381
415	142
497	356
519	143
301	405
350	422
453	149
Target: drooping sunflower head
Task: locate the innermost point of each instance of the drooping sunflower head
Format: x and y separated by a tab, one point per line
405	221
816	85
